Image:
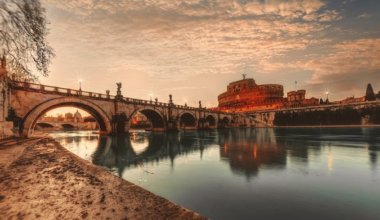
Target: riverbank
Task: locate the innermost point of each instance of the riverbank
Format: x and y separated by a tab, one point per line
321	126
41	179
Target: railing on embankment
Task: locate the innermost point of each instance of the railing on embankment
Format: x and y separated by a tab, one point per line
321	107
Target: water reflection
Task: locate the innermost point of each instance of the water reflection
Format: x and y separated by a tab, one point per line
123	152
245	150
241	173
248	149
372	136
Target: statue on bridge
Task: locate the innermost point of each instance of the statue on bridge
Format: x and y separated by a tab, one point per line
170	99
118	92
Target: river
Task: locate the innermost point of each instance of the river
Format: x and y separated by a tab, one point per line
263	173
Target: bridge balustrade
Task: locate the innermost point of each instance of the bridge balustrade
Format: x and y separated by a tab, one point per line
73	92
49	89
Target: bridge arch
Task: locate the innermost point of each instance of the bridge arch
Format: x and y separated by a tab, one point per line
44	125
211	121
224	122
187	120
36	112
154	116
68	126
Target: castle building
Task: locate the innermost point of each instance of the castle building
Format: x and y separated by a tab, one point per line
246	95
296	96
298	99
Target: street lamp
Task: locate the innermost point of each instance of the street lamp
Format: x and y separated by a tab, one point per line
80	84
150	96
327	94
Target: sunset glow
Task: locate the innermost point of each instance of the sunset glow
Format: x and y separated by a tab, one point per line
190	109
192	49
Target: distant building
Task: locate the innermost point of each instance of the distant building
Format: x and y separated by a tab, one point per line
349	100
296	96
139	120
89	118
246	95
297	99
46	118
60	118
78	117
76	121
69	117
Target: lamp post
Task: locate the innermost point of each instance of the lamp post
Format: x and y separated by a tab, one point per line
80	85
150	96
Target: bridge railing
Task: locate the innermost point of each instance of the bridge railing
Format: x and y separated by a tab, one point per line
58	90
74	92
325	106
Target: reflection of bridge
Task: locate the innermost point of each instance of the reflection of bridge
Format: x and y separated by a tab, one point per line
246	151
29	101
119	151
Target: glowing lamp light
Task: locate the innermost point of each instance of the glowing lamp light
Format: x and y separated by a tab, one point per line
150	96
327	94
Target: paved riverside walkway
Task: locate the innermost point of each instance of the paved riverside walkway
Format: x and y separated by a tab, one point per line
39	179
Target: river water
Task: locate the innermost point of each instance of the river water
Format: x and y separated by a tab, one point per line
300	173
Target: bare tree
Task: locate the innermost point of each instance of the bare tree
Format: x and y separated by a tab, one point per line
23	38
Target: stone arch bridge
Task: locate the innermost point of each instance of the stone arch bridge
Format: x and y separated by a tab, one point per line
29	101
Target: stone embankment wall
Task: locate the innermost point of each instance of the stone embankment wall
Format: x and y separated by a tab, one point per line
344	116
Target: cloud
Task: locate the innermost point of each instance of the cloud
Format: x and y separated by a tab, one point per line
186	37
359	57
364	16
346	70
177	40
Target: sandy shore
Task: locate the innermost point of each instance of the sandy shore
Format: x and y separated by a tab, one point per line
39	179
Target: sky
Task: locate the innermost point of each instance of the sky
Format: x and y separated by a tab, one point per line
194	48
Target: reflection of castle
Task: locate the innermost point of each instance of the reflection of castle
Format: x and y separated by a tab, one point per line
247	151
